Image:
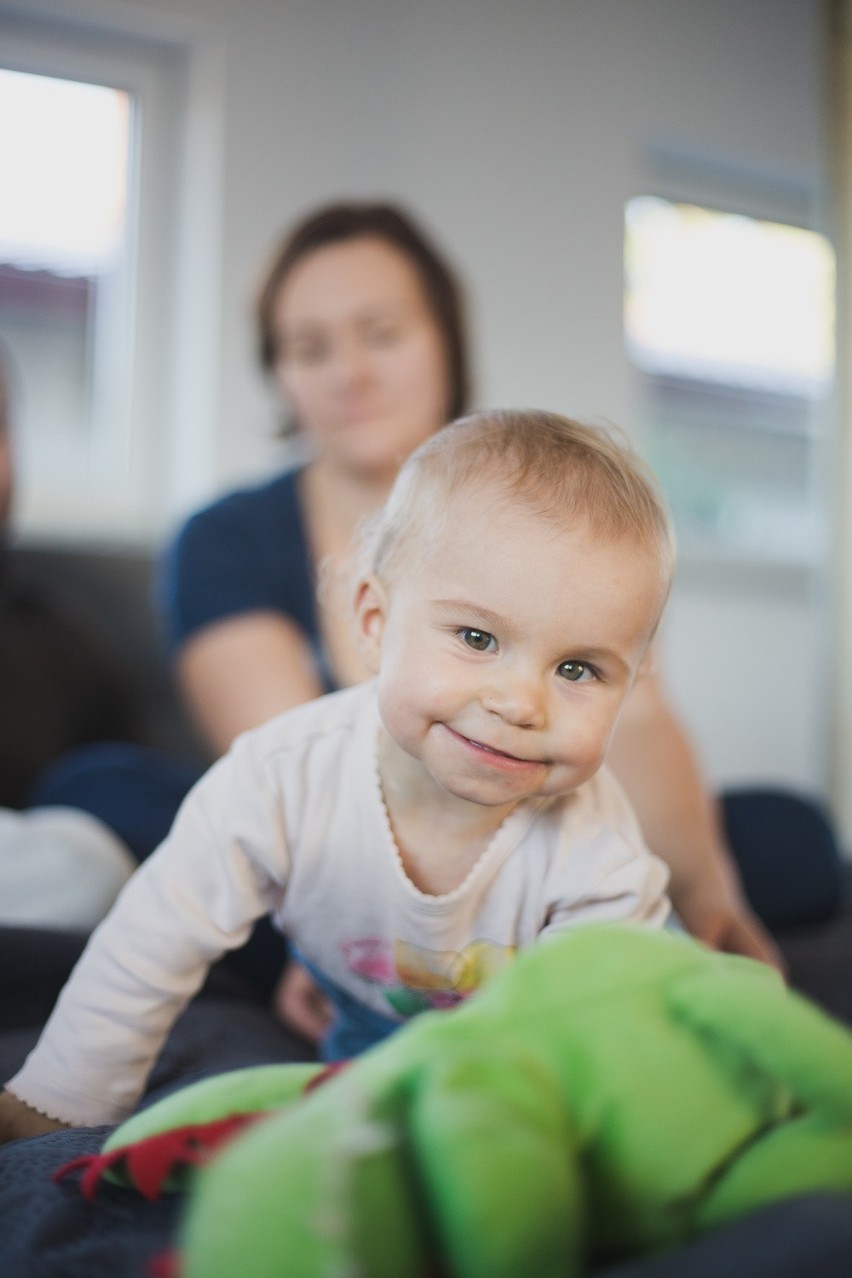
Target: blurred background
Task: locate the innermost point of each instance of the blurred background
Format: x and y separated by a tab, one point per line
646	200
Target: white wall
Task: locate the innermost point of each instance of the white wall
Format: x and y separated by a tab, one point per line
517	129
841	720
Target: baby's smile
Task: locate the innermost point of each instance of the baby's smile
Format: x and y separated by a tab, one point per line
494	755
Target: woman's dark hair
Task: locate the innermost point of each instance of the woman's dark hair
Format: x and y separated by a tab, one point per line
348	221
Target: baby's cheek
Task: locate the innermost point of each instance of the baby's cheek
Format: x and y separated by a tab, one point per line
394	709
406	708
590	742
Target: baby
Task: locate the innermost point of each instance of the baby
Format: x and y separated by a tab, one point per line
408	835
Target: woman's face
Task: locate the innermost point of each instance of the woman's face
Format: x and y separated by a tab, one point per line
362	361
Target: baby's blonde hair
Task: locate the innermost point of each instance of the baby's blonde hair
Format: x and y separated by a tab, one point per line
564	470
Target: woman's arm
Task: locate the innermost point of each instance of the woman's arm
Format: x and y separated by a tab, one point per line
236	596
655	763
236	673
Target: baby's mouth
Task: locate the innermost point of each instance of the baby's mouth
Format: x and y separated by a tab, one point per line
492	750
480	745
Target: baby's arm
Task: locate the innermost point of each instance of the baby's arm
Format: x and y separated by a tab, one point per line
222	866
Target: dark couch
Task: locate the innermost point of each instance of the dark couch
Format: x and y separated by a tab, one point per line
110	589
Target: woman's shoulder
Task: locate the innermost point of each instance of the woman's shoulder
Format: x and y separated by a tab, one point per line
249	530
273	502
247	551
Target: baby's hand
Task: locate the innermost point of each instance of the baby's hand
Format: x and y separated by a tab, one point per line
18	1120
299	1003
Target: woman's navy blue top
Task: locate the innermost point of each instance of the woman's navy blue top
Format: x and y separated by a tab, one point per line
247	552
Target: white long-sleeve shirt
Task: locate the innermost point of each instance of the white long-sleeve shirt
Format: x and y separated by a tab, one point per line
292	821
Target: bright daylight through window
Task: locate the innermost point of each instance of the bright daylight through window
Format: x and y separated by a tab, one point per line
730	320
65	270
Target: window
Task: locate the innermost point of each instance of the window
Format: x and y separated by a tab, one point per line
66	264
109	265
730	319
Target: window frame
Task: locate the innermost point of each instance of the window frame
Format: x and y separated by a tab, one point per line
723	189
124	486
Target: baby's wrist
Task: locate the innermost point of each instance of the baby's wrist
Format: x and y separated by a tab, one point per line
19	1120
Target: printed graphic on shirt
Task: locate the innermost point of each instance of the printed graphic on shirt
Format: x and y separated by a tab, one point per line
414	979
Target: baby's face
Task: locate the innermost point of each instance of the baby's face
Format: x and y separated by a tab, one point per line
505	654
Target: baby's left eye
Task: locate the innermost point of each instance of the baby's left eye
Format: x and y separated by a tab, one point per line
479	640
575	671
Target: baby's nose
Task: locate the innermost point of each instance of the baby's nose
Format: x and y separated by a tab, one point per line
517	699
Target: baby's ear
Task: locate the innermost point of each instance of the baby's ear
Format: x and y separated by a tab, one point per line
370	613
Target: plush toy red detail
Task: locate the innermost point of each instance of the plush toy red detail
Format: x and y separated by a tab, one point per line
147	1164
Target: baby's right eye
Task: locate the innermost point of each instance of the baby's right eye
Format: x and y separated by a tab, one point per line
479	640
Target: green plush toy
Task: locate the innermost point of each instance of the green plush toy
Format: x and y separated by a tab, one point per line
613	1092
